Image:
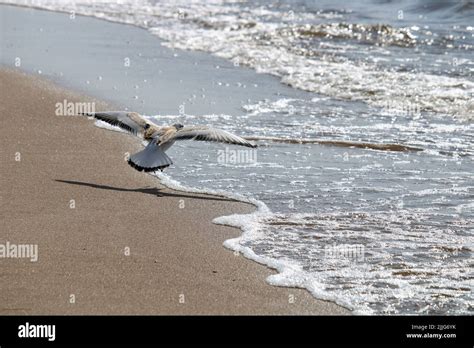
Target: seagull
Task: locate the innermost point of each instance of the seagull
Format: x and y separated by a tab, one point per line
161	138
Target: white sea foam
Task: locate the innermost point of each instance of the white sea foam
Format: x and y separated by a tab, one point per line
290	273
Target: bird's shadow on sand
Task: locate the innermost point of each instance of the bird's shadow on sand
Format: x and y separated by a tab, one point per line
151	191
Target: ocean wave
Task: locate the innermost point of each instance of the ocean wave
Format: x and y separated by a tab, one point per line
373	146
378	34
276	43
445	9
392	128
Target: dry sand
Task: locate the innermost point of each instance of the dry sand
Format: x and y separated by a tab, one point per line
175	253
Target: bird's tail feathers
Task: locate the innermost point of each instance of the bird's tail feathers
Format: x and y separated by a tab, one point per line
150	159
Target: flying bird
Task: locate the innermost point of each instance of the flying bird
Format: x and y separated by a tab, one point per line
161	138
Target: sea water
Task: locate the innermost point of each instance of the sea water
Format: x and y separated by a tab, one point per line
385	232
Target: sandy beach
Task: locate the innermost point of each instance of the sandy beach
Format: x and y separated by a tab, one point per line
112	240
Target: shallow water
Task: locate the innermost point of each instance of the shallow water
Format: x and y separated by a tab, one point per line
376	231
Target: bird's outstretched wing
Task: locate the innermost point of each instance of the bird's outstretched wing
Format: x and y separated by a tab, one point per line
131	122
150	159
208	134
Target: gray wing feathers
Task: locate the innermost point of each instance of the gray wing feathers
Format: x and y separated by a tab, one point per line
128	121
210	134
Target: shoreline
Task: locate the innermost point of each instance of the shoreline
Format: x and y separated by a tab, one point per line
176	263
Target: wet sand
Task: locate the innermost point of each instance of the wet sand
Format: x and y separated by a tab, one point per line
111	240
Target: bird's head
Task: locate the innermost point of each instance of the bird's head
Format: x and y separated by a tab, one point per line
178	126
